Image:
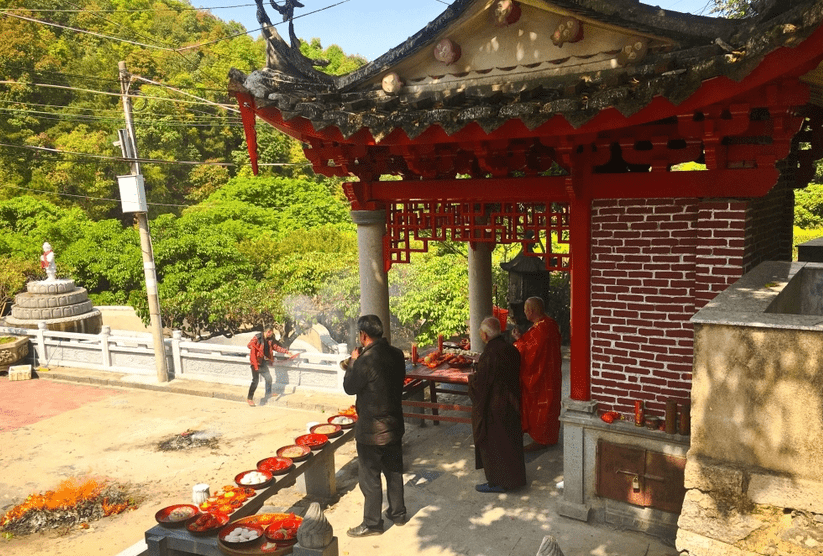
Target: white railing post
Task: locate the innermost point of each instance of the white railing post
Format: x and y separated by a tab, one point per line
176	356
105	332
42	356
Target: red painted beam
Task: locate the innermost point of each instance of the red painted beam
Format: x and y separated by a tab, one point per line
744	182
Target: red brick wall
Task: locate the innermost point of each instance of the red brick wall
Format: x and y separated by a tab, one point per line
655	262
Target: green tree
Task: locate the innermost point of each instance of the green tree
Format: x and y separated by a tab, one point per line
808	206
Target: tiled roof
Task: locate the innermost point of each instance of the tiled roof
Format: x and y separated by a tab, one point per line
576	81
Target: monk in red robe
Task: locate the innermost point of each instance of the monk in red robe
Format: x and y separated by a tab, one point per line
540	377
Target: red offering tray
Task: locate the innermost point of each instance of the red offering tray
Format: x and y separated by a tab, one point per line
291	452
313	441
344	421
207	523
331	431
283	529
276	465
176	515
264	520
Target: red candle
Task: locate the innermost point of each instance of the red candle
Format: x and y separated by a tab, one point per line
439	342
414	354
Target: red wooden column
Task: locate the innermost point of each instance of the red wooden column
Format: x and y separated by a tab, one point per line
580	248
578	187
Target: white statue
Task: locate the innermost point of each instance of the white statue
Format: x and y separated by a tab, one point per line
47	262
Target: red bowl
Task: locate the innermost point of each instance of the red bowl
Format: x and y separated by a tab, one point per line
305	451
176	515
276	465
345	421
259	484
331	431
313	441
207	523
227	530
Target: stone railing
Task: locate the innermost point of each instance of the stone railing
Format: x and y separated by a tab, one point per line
134	354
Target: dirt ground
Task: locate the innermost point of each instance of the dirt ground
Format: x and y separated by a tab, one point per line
52	431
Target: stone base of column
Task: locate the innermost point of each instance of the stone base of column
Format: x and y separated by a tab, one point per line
330	550
572	510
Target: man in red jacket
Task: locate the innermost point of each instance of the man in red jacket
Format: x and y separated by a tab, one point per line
261	352
540	376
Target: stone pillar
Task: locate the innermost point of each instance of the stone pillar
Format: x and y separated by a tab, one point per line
374	284
480	290
576	415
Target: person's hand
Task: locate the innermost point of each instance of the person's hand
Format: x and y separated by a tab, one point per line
355	354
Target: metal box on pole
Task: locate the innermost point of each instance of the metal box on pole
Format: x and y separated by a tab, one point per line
132	193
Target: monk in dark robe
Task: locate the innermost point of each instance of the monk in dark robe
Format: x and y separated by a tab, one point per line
540	376
495	393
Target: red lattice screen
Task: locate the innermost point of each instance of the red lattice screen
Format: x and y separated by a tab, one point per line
411	226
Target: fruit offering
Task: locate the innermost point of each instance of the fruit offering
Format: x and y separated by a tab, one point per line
208	522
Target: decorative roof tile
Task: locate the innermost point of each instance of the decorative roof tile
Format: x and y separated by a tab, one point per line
530	78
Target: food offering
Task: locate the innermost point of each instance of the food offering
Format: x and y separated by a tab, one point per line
313	441
240	535
207	523
227	499
263	521
254	478
327	429
176	515
276	465
437	358
294	452
344	421
283	529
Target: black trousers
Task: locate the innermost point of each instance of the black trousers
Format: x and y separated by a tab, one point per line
255	378
374	460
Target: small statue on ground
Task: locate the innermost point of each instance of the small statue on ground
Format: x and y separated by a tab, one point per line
47	262
315	532
549	547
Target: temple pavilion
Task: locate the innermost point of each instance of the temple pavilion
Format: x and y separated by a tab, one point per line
569	119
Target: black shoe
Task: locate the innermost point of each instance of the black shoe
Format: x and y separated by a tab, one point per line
364	531
399	521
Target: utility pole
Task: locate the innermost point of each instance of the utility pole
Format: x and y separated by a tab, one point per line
134	186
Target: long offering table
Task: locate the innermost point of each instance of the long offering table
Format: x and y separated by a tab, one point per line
423	376
315	475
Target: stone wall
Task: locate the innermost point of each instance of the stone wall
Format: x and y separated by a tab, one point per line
754	479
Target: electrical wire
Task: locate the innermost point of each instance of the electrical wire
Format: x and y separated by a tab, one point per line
86	197
52	116
182	101
48	23
148	160
114	10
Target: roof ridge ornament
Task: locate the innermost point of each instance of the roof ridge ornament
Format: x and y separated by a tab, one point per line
287	11
281	56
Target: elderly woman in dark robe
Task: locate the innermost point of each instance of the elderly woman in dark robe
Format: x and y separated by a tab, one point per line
495	393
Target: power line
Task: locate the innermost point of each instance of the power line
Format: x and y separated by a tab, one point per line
88	32
182	101
86	197
114	10
147	160
55	116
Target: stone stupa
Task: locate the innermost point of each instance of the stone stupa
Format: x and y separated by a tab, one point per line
58	303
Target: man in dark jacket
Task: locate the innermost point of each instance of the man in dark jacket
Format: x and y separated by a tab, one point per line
495	393
375	375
